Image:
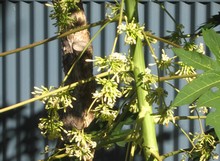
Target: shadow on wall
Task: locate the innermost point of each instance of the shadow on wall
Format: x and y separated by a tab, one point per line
21	132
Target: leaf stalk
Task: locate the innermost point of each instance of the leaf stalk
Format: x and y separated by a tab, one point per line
145	119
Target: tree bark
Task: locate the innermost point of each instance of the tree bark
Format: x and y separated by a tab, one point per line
72	47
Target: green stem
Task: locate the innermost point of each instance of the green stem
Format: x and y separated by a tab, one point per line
164	156
12	107
58	36
187	136
119	23
165	10
146	34
68	87
200	121
177	77
150	147
189	117
125	136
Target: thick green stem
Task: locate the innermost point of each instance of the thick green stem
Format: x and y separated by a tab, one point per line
147	124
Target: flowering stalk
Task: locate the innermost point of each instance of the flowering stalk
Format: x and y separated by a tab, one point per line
147	124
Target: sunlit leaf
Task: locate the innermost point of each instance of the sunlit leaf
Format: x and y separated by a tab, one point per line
213	120
195	59
197	87
210	99
212	40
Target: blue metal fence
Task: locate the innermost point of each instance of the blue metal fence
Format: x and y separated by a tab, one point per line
26	21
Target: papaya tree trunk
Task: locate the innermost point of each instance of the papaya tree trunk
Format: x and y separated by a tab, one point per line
76	69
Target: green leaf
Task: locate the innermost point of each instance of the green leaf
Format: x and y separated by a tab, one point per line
210	99
213	119
197	87
195	59
121	143
212	40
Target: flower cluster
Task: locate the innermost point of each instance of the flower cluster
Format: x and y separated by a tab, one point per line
114	86
52	126
166	62
115	62
105	113
147	79
133	31
186	70
61	13
81	145
109	91
57	101
112	9
133	106
202	109
204	144
166	116
156	95
193	47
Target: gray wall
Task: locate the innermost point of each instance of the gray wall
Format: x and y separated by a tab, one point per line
27	21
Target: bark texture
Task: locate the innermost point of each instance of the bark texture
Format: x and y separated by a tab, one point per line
72	46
